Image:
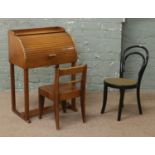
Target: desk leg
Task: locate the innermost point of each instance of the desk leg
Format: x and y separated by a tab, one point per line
13	95
26	94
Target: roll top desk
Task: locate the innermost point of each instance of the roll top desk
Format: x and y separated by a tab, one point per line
38	47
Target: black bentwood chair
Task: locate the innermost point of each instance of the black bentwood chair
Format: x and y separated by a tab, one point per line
122	83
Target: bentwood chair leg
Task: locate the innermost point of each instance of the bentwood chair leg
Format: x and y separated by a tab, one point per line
122	91
82	99
138	101
56	111
104	98
123	102
41	105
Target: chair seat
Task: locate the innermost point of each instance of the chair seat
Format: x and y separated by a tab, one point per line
65	91
120	82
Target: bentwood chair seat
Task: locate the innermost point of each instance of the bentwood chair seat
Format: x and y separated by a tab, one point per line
123	83
120	82
59	92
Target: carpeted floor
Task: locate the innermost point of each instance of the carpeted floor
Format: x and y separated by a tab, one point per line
132	123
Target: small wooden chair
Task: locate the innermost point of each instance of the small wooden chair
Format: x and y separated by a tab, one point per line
63	91
122	83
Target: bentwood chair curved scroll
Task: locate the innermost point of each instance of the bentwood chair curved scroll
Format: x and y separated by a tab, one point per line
59	92
122	83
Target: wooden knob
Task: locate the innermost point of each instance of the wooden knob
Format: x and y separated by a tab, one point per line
51	55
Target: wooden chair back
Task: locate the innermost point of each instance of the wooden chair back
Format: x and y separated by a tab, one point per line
132	51
73	71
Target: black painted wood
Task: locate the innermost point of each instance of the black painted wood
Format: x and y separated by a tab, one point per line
130	51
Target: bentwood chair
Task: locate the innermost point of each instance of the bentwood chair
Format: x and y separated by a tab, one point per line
123	83
59	92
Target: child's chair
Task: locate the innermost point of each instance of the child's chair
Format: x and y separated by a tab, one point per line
58	91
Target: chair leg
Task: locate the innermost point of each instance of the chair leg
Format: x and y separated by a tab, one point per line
123	102
104	98
138	101
82	99
64	106
122	91
56	111
41	105
73	104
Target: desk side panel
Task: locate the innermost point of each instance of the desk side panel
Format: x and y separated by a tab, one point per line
16	51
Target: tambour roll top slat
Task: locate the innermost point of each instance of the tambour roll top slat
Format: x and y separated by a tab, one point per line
38	47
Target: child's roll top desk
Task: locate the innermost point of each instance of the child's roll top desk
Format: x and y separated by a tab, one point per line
38	47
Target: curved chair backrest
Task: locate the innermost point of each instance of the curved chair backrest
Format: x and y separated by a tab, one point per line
130	52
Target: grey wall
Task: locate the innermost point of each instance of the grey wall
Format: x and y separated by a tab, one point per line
98	44
141	31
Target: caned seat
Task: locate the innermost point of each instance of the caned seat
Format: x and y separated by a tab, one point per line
122	83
